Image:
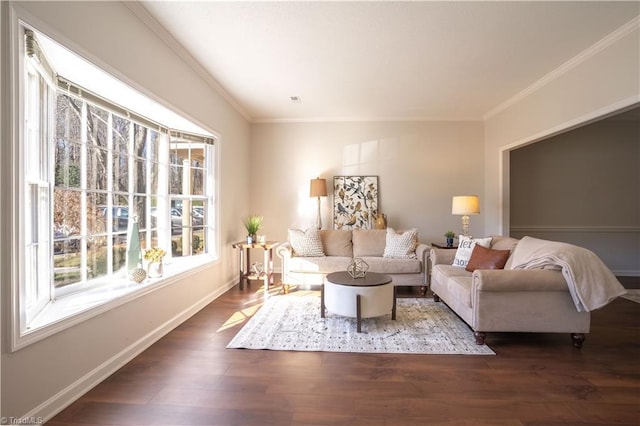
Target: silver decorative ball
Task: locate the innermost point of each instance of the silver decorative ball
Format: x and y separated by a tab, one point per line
137	275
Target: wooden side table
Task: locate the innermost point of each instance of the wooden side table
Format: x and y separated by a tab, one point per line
244	262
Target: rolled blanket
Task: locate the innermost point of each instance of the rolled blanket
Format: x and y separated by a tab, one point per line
591	284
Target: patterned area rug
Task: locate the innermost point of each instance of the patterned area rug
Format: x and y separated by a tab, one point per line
633	294
292	323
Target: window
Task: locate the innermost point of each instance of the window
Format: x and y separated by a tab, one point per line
90	168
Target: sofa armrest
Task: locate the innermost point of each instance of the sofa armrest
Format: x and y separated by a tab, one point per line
284	250
442	256
505	280
422	253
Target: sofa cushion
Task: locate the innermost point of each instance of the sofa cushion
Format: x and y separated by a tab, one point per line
368	242
385	265
486	258
306	243
322	265
465	247
401	244
337	242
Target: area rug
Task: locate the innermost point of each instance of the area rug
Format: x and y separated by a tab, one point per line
633	294
292	323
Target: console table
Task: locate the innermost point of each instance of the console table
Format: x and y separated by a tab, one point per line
244	262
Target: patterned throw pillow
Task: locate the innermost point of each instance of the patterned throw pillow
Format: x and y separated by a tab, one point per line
401	245
306	243
465	248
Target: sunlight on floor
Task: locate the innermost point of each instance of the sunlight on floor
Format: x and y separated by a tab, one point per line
253	305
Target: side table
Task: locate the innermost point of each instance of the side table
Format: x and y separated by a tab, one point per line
443	246
244	262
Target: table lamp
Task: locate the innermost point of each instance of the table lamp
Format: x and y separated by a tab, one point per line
318	189
465	205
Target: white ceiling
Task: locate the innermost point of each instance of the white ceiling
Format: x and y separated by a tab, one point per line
381	60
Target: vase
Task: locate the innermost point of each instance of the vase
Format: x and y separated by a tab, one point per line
449	242
154	269
380	221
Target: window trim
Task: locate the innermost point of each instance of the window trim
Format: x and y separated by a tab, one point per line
180	269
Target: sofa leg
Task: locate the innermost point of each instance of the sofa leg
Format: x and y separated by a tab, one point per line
479	335
436	298
578	339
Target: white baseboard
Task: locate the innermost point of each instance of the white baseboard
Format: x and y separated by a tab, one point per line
71	393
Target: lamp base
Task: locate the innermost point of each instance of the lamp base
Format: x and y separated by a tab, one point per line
319	221
465	225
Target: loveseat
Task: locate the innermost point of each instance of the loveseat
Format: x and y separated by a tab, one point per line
507	300
339	247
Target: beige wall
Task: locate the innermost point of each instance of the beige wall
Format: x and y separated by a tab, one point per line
583	187
39	378
601	81
420	166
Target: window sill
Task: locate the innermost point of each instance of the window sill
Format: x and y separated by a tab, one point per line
75	308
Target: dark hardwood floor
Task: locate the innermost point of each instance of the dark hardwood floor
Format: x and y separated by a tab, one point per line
189	378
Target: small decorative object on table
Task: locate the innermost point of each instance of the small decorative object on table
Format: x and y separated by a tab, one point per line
154	256
252	223
137	275
357	268
380	221
449	235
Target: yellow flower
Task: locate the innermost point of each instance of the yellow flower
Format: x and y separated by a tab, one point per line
154	254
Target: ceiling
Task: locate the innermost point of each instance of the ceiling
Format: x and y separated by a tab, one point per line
379	60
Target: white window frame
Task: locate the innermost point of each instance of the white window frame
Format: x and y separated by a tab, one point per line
29	326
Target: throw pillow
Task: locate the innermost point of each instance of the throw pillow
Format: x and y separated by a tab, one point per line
401	245
465	248
486	258
306	243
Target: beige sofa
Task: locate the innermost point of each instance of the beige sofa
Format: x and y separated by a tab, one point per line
505	300
340	247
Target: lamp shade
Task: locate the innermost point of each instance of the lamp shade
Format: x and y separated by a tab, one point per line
318	188
465	205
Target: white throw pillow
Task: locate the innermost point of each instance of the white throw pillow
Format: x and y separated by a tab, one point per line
306	243
401	245
465	248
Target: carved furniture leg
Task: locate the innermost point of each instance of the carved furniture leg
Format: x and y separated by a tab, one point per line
479	335
578	339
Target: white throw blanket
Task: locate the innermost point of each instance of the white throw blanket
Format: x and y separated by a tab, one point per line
591	284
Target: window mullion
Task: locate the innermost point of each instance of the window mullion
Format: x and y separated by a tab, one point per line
110	149
83	192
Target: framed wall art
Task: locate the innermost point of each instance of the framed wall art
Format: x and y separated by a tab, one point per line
355	201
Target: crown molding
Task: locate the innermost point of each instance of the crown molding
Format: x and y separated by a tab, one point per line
363	120
145	17
583	56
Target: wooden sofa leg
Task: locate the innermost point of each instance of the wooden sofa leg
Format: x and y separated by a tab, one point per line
436	298
578	339
479	335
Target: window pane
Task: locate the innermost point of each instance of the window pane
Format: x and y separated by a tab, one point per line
140	210
96	169
97	125
66	212
121	129
151	146
119	253
96	213
67	164
120	173
67	265
68	121
97	260
197	181
175	180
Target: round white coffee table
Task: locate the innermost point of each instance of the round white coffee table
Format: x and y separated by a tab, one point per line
371	296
